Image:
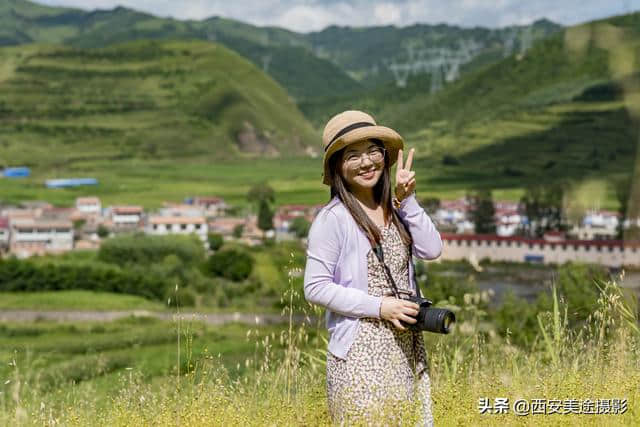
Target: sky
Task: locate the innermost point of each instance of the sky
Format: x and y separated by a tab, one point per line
314	15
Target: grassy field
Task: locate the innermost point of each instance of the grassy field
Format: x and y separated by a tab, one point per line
96	356
126	372
297	180
75	300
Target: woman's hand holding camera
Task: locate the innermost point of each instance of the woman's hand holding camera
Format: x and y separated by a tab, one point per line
395	310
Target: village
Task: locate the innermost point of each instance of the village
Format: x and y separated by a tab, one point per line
37	228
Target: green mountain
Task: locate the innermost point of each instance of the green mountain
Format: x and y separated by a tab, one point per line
331	62
275	50
567	109
376	55
145	99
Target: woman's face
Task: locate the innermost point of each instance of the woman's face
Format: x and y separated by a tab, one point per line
363	174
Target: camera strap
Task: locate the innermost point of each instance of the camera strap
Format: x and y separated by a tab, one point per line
379	253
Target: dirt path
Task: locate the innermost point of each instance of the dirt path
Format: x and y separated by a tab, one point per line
108	316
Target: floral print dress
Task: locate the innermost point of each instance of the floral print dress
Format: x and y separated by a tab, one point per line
384	365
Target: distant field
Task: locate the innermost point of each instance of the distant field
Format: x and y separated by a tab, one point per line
296	180
75	300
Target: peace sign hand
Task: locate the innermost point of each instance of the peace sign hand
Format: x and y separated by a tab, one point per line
405	177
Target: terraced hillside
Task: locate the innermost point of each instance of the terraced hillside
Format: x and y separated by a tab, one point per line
146	100
277	51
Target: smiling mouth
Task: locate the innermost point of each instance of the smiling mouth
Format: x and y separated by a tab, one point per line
368	174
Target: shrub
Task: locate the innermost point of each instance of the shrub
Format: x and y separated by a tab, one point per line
231	264
21	275
577	286
140	249
102	231
238	230
215	241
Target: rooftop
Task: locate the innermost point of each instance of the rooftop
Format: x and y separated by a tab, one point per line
177	220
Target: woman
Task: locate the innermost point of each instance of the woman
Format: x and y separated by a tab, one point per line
372	359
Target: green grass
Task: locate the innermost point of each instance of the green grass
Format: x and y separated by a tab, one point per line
54	354
128	373
75	300
150	183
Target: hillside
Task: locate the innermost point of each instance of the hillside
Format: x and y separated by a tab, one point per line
330	62
565	110
378	55
150	100
274	50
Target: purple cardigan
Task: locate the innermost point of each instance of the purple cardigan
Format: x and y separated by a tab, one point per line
335	276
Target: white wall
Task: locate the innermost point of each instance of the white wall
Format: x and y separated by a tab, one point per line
517	251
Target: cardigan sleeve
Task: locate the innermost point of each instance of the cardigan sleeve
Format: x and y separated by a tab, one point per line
427	243
324	245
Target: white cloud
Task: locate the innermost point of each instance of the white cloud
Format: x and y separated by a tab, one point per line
314	15
387	13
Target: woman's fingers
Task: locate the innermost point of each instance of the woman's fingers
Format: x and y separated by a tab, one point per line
407	165
398	325
410	185
400	162
408	319
410	304
404	177
412	311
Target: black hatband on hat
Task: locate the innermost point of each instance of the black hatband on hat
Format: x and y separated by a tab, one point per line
347	129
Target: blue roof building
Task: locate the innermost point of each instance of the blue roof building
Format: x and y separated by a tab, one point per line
70	182
18	172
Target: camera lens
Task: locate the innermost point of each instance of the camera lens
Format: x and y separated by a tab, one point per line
438	320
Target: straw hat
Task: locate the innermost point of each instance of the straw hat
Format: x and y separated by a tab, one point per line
353	126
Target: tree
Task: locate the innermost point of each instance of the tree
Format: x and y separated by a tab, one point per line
265	216
79	223
261	192
481	211
231	264
215	241
542	204
300	226
102	231
77	228
264	196
238	230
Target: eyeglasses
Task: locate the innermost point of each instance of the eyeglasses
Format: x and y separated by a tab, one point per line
375	154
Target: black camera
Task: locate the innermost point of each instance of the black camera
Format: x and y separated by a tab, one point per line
438	320
431	319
